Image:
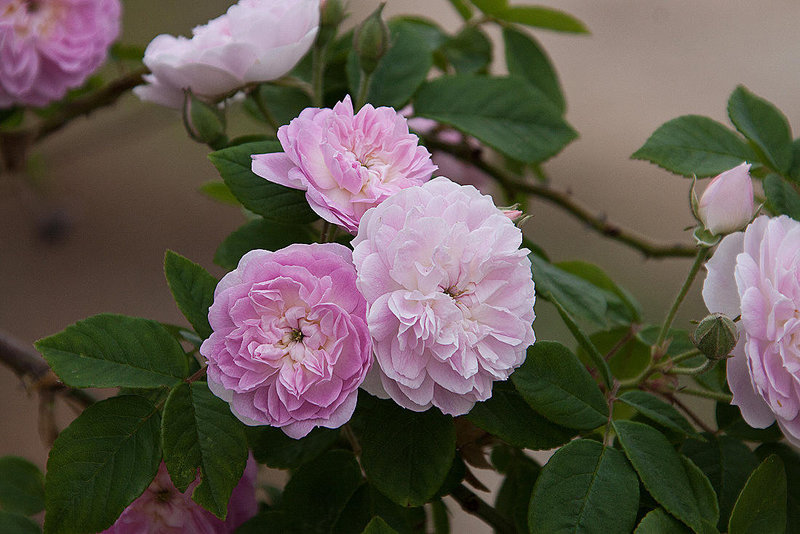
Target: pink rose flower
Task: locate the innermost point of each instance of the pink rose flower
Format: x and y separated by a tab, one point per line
162	509
50	46
255	41
290	344
756	273
449	293
347	163
727	203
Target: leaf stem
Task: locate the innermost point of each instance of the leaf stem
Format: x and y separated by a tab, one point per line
700	257
363	90
705	393
472	504
200	373
700	369
318	74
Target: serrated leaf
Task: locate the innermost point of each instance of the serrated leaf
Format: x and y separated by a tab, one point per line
271	201
507	416
527	59
259	234
761	506
764	125
271	446
115	351
660	522
585	488
542	17
469	51
17	524
659	411
782	197
507	114
100	463
423	443
192	288
21	486
556	384
694	145
199	431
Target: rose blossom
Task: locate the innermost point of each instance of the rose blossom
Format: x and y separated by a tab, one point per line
255	41
727	203
756	273
449	292
346	162
290	344
50	46
162	509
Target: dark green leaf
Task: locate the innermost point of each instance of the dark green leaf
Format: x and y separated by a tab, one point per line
126	52
424	29
794	171
761	506
268	522
115	351
275	449
584	342
100	463
490	7
585	488
694	145
764	125
542	17
514	494
527	59
507	114
423	443
469	52
791	462
199	431
463	8
219	191
21	486
782	197
192	288
555	383
729	420
662	471
507	416
660	522
624	309
318	492
441	517
659	411
17	524
271	201
282	103
379	526
259	234
628	360
703	493
367	502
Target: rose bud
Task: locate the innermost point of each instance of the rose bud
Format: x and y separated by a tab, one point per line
716	336
371	41
727	203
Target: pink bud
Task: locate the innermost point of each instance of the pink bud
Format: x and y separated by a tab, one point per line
727	203
512	214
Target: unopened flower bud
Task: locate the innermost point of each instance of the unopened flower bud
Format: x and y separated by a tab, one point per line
204	122
371	40
332	14
716	336
727	203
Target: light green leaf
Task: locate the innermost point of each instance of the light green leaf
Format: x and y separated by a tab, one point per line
765	126
542	17
490	7
761	506
100	463
659	411
218	191
782	197
527	59
585	488
192	288
115	351
21	486
259	234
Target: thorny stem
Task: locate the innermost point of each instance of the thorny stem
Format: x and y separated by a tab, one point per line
352	439
200	373
472	504
700	369
693	416
632	331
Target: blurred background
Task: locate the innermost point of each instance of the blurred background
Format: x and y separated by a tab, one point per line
116	191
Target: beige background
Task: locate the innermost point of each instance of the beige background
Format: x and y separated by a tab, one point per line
127	181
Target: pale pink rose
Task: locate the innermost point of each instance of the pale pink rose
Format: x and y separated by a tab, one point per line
727	203
347	163
449	293
50	46
756	273
255	41
162	509
290	344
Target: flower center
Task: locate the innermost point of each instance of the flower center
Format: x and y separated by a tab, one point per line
163	495
32	6
296	335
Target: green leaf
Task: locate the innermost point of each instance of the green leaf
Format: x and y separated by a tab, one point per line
662	471
367	502
729	420
659	411
441	517
21	486
782	197
274	448
463	8
624	309
694	145
585	488
630	358
542	17
271	201
423	443
17	524
703	493
379	526
507	416
282	103
199	431
791	462
660	522
727	463
490	7
259	234
527	59
507	114
100	463
192	288
765	126
469	52
218	191
269	521
761	506
426	30
115	351
794	171
557	385
514	494
318	492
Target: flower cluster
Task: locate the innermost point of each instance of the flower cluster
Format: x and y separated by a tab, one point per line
50	46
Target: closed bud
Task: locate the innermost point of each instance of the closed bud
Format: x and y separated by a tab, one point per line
332	14
727	203
371	41
716	336
204	122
